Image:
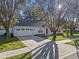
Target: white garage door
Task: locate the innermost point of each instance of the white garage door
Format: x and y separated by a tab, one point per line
23	32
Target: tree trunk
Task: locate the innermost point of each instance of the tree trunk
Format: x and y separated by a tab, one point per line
8	35
71	32
67	34
54	36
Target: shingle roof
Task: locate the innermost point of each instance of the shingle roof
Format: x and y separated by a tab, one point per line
31	23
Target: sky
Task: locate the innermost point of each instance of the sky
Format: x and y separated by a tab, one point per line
62	2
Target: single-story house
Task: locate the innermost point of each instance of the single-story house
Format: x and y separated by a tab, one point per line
30	27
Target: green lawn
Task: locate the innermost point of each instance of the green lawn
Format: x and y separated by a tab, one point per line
74	35
73	42
58	37
14	43
21	56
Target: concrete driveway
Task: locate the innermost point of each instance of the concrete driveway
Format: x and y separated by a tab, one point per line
46	49
33	41
52	50
35	38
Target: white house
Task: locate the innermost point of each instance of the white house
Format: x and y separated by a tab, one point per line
30	27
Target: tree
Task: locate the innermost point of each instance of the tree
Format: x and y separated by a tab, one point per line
37	14
8	10
73	24
71	16
69	26
53	26
52	15
7	14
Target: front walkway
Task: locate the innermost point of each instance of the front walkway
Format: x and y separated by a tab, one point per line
41	45
14	52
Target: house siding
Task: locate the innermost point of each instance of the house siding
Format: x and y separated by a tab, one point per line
24	31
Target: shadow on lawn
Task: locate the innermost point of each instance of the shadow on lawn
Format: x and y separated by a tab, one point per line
46	51
3	40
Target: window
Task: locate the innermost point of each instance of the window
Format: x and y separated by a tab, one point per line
31	29
40	31
23	29
27	29
17	29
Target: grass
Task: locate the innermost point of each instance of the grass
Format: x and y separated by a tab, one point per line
21	56
58	37
1	26
73	42
76	35
71	37
14	43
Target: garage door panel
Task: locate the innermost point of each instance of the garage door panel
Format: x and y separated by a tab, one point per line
23	33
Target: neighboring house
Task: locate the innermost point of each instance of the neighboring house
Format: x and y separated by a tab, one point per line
2	31
30	27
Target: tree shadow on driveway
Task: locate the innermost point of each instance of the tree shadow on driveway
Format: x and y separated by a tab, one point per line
35	38
48	50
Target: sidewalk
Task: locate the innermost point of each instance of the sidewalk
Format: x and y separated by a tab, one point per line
14	52
64	41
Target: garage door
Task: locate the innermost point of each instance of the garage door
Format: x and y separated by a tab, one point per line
23	32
